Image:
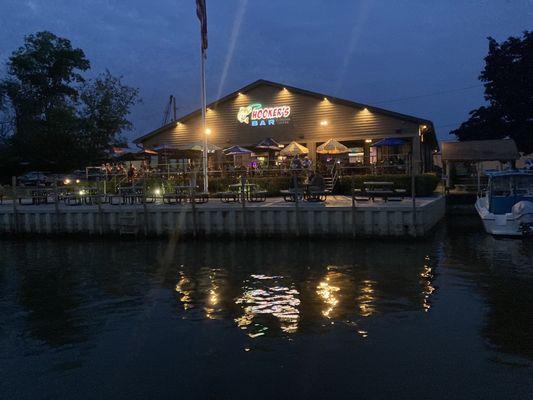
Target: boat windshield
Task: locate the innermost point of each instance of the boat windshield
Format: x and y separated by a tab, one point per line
512	185
500	186
523	185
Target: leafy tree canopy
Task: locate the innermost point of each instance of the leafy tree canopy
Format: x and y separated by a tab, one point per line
59	120
106	104
508	77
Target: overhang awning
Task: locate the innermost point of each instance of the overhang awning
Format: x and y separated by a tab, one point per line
480	150
389	142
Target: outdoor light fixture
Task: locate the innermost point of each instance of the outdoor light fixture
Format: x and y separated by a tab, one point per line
323	122
365	109
66	181
207	131
157	192
325	99
77	181
368	140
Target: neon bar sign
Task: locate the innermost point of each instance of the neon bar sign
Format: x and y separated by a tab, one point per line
257	115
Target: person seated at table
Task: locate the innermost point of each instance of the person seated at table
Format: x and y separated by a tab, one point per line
316	182
296	163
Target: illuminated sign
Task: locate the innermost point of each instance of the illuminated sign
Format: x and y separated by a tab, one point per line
257	115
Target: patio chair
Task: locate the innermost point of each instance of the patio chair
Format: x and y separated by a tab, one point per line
316	195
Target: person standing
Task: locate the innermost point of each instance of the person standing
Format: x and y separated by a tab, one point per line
306	163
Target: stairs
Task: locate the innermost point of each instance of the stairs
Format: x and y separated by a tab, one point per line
330	183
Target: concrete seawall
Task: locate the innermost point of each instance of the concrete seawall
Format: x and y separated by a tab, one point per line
274	218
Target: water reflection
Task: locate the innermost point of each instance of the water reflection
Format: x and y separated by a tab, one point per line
328	292
265	296
281	295
365	300
184	288
426	279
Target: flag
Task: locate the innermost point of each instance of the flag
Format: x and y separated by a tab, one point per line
201	12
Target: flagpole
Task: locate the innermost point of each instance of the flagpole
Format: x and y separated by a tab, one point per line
204	128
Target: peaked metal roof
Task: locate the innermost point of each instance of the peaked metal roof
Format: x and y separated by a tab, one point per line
480	150
260	82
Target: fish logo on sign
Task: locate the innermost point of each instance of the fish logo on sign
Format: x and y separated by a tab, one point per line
244	113
256	115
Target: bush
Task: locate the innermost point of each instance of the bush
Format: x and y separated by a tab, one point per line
272	184
425	184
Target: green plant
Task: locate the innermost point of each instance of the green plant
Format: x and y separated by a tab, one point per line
425	184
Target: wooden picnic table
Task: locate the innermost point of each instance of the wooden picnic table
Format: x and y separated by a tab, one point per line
379	189
252	193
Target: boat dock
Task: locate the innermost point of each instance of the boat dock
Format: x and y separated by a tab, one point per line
274	218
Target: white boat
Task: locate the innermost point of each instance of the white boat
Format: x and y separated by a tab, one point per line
506	208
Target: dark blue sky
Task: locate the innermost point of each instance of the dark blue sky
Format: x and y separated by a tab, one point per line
370	51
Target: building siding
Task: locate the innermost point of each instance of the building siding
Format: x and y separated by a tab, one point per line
343	122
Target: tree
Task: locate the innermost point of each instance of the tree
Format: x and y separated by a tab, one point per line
59	120
42	89
106	105
508	77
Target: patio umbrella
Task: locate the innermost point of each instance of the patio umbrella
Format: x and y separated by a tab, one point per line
332	147
236	151
164	151
165	147
127	155
268	144
147	152
199	146
389	142
294	148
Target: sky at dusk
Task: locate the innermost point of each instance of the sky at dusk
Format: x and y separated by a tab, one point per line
387	53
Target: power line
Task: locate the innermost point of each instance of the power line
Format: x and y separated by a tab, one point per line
428	94
448	125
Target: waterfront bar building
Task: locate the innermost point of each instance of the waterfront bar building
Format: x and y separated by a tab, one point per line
265	109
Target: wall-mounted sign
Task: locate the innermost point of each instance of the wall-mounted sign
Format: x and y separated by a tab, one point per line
257	115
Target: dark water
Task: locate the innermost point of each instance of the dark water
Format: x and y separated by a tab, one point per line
449	317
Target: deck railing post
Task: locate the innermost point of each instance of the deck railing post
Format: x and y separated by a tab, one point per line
145	206
56	207
296	202
243	201
99	204
353	204
192	191
413	193
14	201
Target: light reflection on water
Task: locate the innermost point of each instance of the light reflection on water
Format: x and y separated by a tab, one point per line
268	304
268	295
328	292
